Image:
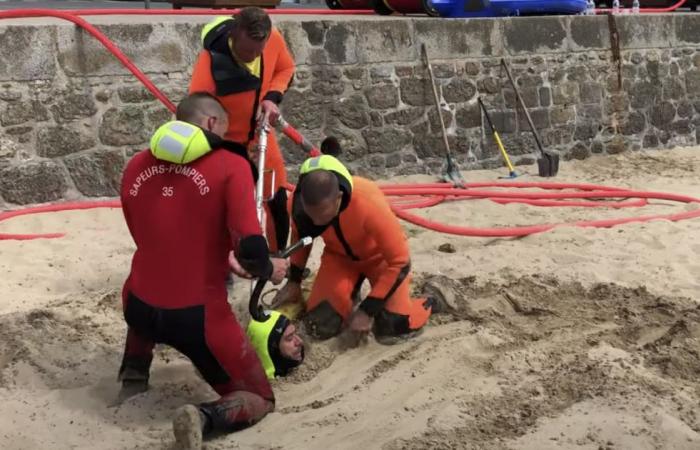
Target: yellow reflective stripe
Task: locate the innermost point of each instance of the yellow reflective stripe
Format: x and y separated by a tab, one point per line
173	146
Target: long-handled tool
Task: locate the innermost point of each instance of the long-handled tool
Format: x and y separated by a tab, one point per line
547	163
264	128
497	138
256	311
329	146
452	174
297	137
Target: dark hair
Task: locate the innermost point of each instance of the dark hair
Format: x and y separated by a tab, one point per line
254	21
331	146
319	186
198	104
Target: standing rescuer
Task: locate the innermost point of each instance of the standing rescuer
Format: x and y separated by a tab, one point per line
188	203
245	63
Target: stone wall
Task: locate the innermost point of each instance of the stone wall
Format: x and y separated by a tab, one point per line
70	114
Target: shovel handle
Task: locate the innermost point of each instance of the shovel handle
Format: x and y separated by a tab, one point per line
296	137
496	137
424	52
486	113
524	108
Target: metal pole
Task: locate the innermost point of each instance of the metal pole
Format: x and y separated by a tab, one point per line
259	190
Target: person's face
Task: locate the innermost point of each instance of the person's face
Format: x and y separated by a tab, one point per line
291	344
324	212
217	125
246	48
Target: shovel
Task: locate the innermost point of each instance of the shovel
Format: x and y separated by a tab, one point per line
547	163
497	138
452	174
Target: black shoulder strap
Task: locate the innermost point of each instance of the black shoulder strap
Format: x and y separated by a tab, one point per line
215	142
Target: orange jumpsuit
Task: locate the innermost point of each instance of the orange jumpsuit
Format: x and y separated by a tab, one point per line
241	98
365	241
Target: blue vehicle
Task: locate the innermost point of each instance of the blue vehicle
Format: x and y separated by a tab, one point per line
500	8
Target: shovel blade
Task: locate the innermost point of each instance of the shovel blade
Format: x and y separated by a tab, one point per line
548	165
452	175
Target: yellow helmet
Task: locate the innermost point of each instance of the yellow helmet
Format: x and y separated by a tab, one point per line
326	162
179	142
265	337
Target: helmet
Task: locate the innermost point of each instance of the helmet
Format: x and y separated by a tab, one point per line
265	337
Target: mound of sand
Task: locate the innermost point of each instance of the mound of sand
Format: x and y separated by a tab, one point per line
574	338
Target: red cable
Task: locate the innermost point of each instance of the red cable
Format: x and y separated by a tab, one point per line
435	192
51	208
289	130
446	192
527	230
18	13
214	12
602	193
671	8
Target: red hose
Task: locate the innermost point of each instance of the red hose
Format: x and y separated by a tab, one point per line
109	45
414	196
214	12
671	8
404	197
602	193
288	130
527	230
51	208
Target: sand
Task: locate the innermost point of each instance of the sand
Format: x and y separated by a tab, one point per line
573	338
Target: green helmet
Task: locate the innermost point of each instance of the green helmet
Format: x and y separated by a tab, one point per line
265	337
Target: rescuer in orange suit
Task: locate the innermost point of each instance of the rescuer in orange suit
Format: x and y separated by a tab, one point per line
363	241
245	63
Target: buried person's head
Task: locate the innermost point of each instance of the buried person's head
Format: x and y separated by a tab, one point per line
277	343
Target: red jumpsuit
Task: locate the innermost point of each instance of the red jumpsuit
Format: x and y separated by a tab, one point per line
184	220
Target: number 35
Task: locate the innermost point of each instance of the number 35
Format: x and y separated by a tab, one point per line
167	191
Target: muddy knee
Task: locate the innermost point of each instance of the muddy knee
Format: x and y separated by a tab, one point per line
323	322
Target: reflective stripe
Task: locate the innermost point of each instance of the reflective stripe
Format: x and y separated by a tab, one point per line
326	162
179	142
172	146
183	129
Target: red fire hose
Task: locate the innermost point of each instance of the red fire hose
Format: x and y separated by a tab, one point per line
671	8
403	197
213	12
